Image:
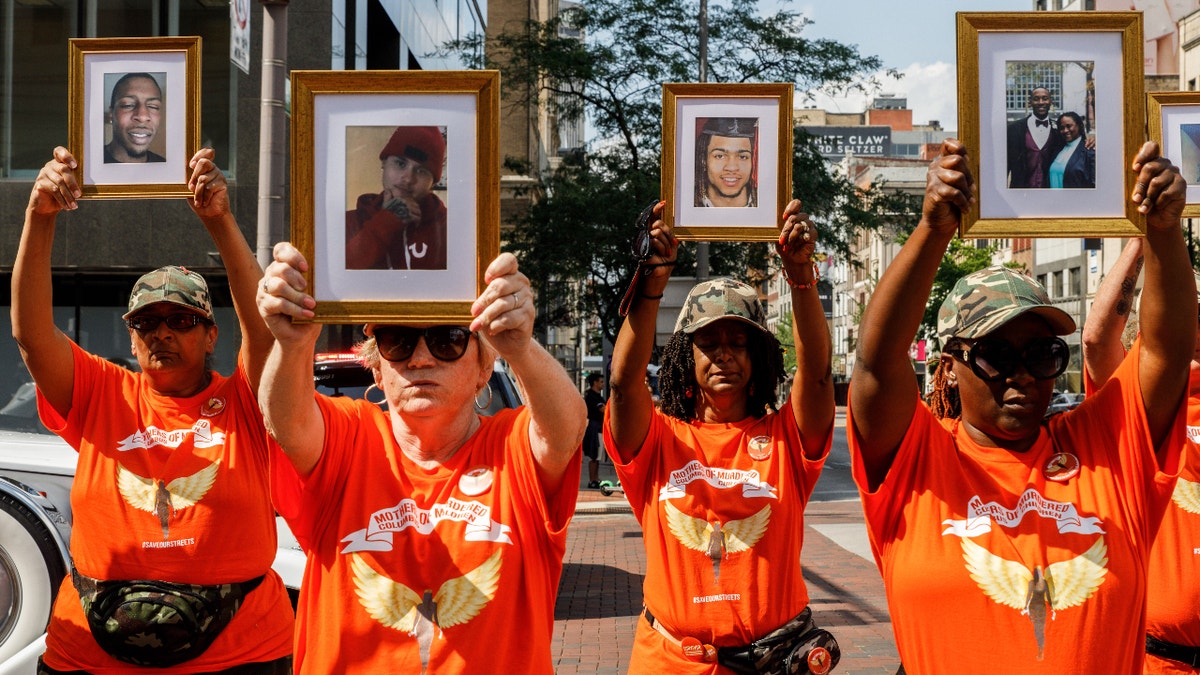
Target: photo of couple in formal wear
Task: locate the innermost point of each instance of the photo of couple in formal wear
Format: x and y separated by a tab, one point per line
1050	111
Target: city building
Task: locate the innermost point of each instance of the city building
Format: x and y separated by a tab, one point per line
101	249
879	146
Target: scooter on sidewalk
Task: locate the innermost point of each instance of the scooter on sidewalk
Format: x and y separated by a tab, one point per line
608	488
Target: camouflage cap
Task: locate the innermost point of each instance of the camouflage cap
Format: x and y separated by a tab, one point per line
983	301
177	285
720	298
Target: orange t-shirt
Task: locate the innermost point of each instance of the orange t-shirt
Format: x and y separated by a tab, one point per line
991	565
210	452
410	570
723	531
1173	590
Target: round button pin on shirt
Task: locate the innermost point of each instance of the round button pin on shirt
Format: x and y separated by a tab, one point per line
1061	467
476	481
759	447
694	650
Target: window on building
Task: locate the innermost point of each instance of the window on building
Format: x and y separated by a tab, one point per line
33	69
1056	284
1041	279
1022	77
1075	279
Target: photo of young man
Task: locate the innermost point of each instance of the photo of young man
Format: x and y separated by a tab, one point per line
135	113
726	155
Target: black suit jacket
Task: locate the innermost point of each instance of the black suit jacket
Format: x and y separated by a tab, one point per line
1017	173
1081	168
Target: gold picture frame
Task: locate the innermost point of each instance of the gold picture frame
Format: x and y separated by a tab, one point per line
134	115
1173	119
387	255
1086	63
753	181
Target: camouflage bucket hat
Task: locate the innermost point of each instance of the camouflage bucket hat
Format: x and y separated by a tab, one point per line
176	285
983	301
720	299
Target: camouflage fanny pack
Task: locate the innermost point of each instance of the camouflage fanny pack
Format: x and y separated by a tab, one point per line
795	648
158	623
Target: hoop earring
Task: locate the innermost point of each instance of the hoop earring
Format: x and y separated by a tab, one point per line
484	406
367	395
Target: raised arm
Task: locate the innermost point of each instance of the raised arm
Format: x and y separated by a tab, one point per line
1167	315
210	201
286	392
883	388
505	314
1102	348
45	348
812	387
630	405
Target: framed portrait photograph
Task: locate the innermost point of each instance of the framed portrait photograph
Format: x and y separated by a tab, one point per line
134	115
395	191
727	160
1050	110
1173	118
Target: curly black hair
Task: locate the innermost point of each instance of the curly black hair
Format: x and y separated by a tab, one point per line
677	375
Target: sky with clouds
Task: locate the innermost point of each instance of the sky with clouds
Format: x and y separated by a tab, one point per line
914	37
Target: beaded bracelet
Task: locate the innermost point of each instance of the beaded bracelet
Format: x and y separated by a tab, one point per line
802	286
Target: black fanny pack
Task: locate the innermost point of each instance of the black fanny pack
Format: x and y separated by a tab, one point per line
158	623
795	648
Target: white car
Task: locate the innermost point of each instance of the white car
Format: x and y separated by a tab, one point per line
36	470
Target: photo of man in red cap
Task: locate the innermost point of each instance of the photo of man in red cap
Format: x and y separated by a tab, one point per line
403	227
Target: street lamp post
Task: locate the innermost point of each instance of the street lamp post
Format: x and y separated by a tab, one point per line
702	246
272	143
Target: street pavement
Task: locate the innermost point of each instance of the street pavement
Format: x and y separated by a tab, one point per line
600	594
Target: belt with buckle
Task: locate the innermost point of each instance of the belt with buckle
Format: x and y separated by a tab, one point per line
691	648
1172	651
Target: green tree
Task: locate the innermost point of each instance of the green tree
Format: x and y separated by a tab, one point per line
783	333
962	257
581	227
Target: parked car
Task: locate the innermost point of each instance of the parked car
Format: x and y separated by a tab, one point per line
1063	401
36	470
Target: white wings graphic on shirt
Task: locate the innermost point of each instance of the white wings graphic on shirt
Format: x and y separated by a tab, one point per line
714	539
1187	496
397	606
161	498
1063	584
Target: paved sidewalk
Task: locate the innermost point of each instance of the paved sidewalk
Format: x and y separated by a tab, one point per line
601	590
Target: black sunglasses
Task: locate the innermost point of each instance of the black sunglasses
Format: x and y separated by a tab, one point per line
144	323
993	360
642	250
446	343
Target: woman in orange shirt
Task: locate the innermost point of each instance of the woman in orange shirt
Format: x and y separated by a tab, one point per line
1008	543
718	477
171	484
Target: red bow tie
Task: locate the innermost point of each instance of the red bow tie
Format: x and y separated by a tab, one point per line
1042	123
